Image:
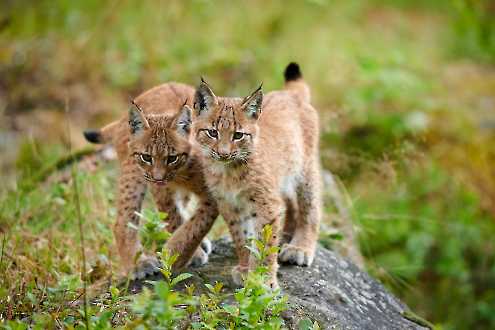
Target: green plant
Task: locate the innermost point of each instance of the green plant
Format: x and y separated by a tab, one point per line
307	324
158	309
256	305
152	230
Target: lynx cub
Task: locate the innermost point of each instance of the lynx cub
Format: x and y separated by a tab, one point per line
153	151
259	156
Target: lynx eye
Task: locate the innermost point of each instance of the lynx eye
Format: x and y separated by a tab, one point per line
237	136
212	133
146	158
172	159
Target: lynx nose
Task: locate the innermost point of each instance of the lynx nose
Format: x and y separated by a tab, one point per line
223	151
158	175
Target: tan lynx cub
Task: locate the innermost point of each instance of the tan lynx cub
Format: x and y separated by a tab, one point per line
153	151
258	154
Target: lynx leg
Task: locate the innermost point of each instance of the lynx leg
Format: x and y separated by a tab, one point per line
167	201
290	221
269	211
131	191
301	249
243	229
187	238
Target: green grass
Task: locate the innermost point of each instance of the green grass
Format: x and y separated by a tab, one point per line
405	92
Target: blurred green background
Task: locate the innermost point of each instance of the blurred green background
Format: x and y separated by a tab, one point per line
406	91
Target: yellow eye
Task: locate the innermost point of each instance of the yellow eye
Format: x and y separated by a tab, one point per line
146	158
237	136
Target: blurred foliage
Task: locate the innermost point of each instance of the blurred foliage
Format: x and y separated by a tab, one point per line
406	91
474	29
432	237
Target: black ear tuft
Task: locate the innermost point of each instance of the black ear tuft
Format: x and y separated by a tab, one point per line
252	103
292	72
137	122
93	136
204	99
184	120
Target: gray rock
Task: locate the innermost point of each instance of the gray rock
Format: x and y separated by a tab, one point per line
333	291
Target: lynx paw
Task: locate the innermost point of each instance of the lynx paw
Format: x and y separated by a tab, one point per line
206	245
296	255
199	258
239	274
146	266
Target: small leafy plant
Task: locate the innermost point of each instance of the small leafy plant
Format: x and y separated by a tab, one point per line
255	305
152	231
162	308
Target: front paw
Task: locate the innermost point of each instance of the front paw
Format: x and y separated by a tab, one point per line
146	266
239	274
296	255
206	245
199	258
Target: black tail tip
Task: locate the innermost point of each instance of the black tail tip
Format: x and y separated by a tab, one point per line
92	136
292	72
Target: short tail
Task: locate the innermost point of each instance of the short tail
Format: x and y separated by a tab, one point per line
103	135
295	83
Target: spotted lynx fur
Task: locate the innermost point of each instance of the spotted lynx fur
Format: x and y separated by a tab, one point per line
260	154
154	153
257	178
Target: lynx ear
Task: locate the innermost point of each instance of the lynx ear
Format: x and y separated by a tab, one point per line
252	104
137	121
183	120
204	99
